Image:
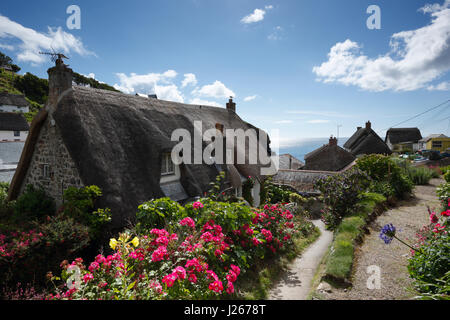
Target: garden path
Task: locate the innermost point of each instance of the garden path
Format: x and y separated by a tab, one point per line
408	217
295	284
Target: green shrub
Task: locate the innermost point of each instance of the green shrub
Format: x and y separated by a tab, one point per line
33	204
443	192
383	169
447	176
157	214
271	193
341	194
79	204
419	175
431	262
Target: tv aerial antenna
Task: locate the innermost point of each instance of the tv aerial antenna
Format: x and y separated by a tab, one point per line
55	57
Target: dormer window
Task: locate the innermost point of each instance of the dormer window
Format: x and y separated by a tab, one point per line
167	166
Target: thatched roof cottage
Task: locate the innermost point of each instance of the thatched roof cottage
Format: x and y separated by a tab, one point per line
13	102
329	157
399	139
122	144
13	127
366	141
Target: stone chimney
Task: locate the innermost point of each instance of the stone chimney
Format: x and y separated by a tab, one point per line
368	125
231	105
333	141
59	80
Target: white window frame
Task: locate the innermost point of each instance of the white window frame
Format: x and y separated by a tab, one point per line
167	165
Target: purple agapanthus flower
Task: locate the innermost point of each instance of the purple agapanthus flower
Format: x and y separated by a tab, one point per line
387	234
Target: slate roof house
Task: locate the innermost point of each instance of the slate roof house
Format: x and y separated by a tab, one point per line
13	102
13	127
329	157
122	144
366	141
401	139
288	161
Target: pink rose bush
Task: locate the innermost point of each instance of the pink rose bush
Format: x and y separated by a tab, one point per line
199	255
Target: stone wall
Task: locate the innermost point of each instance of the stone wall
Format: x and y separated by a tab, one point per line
50	151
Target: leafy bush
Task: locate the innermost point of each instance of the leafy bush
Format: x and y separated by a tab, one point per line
33	204
382	169
443	192
419	175
447	176
431	261
33	87
27	256
341	193
157	214
193	260
271	193
79	204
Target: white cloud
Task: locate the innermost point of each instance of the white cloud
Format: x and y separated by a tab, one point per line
159	83
6	47
320	121
443	86
202	102
284	122
417	57
189	79
216	90
33	41
256	16
250	98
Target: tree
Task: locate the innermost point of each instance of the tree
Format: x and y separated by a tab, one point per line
5	60
32	87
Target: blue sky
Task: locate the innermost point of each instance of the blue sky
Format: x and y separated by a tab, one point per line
273	56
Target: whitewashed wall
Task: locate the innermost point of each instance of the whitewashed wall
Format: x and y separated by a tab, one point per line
6	108
9	136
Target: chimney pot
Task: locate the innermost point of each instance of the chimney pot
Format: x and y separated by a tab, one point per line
333	141
368	125
60	79
231	105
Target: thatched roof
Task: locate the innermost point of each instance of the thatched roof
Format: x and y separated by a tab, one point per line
12	121
8	99
329	157
117	142
366	141
400	135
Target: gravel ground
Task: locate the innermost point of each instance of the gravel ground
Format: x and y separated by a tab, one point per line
408	217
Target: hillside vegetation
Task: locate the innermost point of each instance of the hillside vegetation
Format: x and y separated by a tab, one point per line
34	88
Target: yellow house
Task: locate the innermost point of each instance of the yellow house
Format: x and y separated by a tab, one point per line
436	142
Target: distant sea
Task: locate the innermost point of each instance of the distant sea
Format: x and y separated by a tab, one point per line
304	146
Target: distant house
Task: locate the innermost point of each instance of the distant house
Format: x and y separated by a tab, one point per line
289	162
13	103
13	127
436	142
366	141
329	157
123	143
403	139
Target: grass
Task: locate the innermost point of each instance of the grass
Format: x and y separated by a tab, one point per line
259	280
338	266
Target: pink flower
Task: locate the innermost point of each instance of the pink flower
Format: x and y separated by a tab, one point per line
94	266
235	269
162	241
231	276
180	272
170	279
192	278
255	241
207	236
433	217
88	277
159	254
197	205
216	286
211	275
230	288
187	222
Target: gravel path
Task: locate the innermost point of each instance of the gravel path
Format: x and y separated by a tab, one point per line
408	217
296	282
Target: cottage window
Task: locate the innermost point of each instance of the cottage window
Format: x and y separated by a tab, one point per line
16	133
46	171
167	166
437	144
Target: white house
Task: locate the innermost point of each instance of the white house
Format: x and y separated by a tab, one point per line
13	127
13	103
